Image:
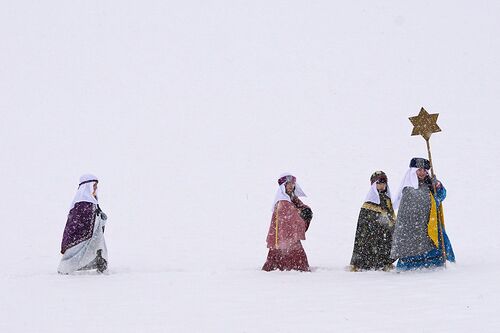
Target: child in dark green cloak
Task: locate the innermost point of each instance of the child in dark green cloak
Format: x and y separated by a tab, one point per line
372	245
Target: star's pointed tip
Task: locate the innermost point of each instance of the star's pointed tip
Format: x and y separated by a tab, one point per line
413	120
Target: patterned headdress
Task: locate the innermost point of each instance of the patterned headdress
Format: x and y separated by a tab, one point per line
378	176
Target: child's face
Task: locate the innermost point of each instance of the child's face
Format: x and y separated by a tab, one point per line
381	186
421	173
290	187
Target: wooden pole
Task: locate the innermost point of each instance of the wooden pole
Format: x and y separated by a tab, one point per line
427	140
440	226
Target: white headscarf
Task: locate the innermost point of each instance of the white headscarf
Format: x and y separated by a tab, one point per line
373	194
410	179
281	192
85	190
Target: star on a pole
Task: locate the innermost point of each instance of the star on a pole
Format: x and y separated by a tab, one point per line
425	124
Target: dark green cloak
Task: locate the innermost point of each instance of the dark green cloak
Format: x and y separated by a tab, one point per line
372	245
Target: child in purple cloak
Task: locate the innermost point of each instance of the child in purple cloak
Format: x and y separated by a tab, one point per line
83	246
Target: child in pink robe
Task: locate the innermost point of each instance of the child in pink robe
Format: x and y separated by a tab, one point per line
289	223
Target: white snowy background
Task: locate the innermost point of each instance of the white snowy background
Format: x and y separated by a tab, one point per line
188	111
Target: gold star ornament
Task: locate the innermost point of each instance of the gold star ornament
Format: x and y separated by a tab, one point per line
425	124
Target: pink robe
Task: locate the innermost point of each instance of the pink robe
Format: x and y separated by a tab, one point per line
286	251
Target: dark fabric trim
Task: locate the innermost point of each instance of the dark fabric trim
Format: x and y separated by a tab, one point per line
88	181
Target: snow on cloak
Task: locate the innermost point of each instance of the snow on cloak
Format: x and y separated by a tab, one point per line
372	243
83	234
287	229
417	240
287	226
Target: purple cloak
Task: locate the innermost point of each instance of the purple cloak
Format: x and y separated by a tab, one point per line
80	225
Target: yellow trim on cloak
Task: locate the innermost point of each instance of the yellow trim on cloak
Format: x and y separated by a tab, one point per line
276	221
432	226
375	208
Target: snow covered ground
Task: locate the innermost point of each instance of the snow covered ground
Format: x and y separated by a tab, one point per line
189	111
